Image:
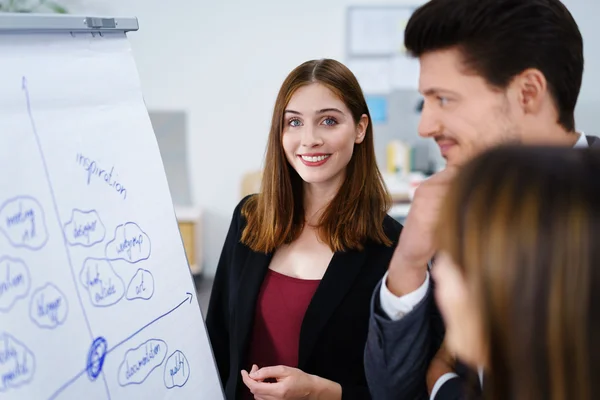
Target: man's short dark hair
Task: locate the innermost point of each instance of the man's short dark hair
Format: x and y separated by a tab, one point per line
499	39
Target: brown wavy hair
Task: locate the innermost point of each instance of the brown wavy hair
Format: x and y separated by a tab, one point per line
523	224
275	216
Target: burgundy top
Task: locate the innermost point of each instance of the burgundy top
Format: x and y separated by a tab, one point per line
280	308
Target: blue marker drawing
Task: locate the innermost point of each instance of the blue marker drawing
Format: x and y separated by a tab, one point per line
96	357
177	370
188	299
48	308
102	354
104	286
25	88
94	170
141	285
22	221
85	228
14	282
138	363
17	363
130	244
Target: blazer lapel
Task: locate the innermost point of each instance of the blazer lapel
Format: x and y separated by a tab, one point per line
337	281
251	279
593	141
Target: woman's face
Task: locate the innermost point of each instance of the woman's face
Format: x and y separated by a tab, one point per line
319	135
459	308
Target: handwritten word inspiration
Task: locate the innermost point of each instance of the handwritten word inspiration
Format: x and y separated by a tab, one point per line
94	170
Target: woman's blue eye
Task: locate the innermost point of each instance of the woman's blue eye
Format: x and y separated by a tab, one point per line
294	122
442	100
330	121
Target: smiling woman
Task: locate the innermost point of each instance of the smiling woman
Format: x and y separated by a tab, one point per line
288	317
315	136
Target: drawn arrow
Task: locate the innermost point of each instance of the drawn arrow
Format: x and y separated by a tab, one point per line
99	356
188	298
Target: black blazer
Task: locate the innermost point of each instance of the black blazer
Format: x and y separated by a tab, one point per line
335	326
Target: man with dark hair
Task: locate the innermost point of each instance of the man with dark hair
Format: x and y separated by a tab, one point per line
491	72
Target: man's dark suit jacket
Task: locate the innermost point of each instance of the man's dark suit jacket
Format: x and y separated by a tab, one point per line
398	353
335	326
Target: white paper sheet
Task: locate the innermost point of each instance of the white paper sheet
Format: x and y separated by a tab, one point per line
377	30
96	297
373	74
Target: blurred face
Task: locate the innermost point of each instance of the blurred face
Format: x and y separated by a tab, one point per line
461	112
464	332
319	135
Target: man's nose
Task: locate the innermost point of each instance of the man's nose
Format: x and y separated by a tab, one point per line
429	125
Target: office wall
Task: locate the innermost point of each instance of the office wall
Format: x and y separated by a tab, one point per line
588	106
223	61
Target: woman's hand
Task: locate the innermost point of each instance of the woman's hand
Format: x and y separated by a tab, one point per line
289	384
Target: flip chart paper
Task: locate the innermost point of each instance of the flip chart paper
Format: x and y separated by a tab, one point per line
96	297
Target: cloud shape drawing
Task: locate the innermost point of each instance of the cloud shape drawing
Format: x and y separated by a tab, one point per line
130	244
138	363
84	228
14	282
141	285
48	307
104	286
177	370
22	221
17	363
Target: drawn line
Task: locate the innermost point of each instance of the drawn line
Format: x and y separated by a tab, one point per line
188	298
54	203
66	385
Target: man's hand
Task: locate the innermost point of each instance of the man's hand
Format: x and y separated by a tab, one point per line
416	246
442	363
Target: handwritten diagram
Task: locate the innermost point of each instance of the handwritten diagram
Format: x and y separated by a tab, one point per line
113	272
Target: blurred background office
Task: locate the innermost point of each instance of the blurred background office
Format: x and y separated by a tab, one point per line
210	71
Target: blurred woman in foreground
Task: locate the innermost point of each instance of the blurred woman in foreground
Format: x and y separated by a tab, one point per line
518	275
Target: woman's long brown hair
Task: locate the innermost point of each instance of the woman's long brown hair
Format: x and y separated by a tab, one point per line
275	216
523	224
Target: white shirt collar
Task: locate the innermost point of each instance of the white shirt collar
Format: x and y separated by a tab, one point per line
582	141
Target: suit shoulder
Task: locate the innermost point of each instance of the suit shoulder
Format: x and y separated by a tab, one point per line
593	141
237	212
244	200
392	228
237	221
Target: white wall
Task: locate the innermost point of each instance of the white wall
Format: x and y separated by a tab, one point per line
585	13
223	62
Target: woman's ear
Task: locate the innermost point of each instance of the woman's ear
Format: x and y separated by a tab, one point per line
361	128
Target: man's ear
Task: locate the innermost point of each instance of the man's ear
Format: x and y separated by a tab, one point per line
361	128
532	90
